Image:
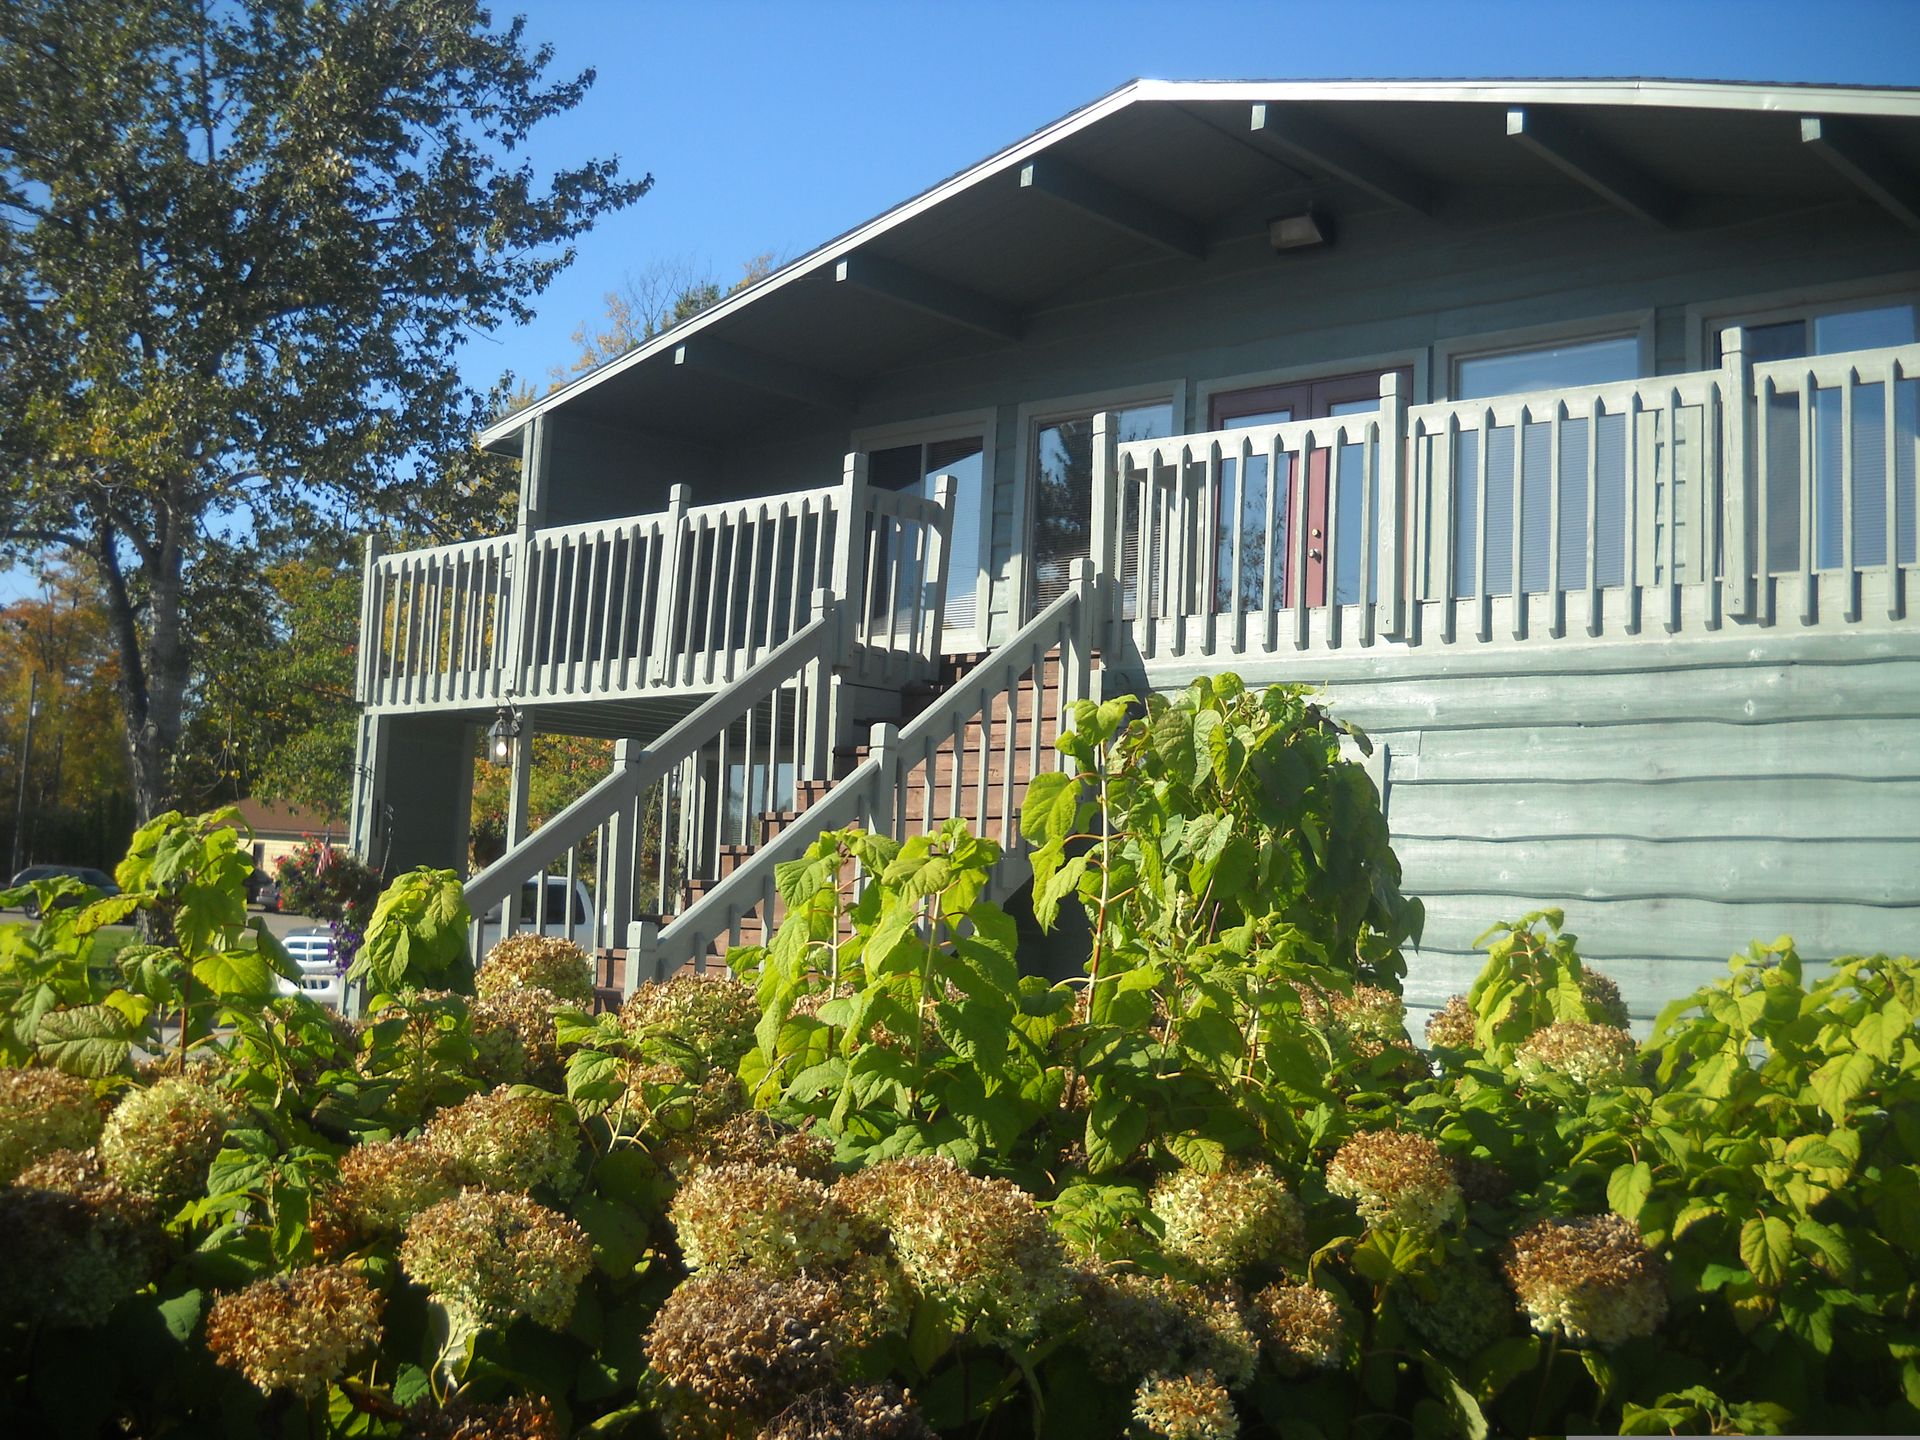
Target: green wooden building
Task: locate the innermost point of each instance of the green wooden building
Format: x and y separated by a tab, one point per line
1564	431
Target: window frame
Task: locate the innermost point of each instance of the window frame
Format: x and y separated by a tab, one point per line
1418	359
955	425
1029	417
1448	353
1706	319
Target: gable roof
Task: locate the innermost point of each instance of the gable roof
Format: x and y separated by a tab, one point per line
1163	166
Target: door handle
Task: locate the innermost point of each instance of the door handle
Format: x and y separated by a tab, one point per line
1314	554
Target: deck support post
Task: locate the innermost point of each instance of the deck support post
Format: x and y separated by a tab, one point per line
849	580
1738	481
1392	576
519	778
364	817
938	562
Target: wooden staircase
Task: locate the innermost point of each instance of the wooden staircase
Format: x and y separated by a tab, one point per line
1005	744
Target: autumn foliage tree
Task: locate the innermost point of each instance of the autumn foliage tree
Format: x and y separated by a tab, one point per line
240	246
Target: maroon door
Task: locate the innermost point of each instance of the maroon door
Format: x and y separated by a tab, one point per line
1305	400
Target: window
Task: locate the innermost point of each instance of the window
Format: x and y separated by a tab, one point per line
1555	366
916	468
1547	367
1062	529
1835	332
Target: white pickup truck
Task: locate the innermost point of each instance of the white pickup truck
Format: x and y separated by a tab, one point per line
573	922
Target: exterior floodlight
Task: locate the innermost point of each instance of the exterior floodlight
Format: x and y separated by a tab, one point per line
1299	232
502	733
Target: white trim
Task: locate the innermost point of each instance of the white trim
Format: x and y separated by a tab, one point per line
1035	413
960	425
1705	319
1419	360
1448	353
1784	100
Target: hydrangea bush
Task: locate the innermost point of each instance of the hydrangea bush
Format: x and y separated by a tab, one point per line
876	1182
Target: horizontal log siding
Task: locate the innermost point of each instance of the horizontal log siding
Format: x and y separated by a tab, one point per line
1761	787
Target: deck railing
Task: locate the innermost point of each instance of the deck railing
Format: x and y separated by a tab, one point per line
686	600
1682	501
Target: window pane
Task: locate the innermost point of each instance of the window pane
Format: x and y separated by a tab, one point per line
1063	498
1548	367
1863	330
966	461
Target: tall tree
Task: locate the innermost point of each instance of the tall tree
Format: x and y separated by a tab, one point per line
240	245
660	297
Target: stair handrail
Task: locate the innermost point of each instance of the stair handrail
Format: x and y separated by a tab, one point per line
819	645
870	794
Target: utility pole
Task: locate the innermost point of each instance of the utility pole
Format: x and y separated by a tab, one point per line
26	756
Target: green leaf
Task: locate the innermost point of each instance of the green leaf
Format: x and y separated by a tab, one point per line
1051	808
1628	1188
1828	1244
1501	1363
90	1040
1115	1128
101	913
1840	1081
1198	1152
238	974
618	1233
1766	1248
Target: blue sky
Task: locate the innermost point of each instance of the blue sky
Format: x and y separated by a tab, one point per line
775	126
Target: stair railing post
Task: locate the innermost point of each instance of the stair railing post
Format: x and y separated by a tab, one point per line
1104	538
1392	572
883	808
667	613
643	956
939	560
849	580
823	686
1738	482
623	844
1076	647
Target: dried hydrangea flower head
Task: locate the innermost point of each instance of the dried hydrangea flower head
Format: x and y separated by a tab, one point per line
742	1346
716	1017
381	1186
1468	1310
1395	1179
537	962
159	1141
297	1331
980	1247
1241	1215
766	1216
1139	1324
42	1111
1451	1027
1301	1327
513	1033
507	1141
875	1299
76	1242
865	1412
676	1113
1605	1004
523	1417
1584	1055
753	1137
491	1256
1186	1407
1590	1279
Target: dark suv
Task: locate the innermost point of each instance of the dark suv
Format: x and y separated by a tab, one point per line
98	879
